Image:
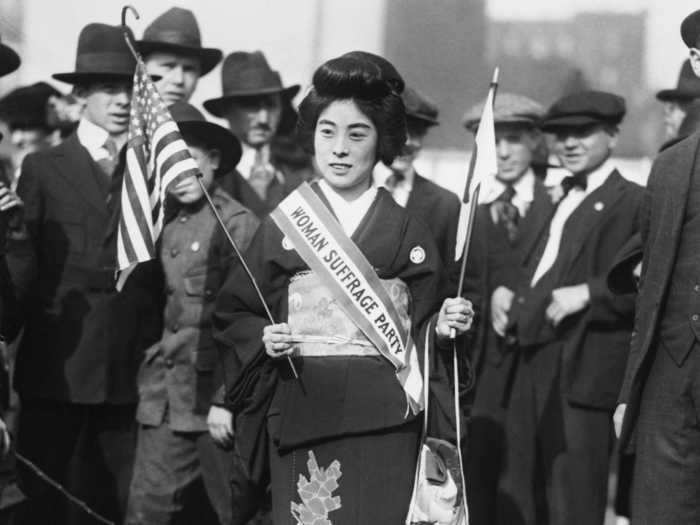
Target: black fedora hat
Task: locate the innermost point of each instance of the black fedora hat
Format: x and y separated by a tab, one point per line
246	74
102	54
177	31
9	60
687	88
193	124
27	106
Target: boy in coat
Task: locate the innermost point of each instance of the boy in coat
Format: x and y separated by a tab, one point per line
176	457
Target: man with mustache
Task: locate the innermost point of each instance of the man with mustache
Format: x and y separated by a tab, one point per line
172	50
252	101
83	341
569	332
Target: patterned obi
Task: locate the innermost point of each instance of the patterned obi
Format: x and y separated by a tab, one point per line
321	327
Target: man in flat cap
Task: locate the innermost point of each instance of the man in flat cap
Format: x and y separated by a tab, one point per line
676	102
571	334
83	341
661	390
437	207
252	101
172	50
515	206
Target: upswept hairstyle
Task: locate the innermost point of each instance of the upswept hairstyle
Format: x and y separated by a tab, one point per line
361	80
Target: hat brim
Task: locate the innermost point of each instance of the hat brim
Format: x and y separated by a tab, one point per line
423	119
667	95
575	121
209	57
217	106
9	60
81	78
216	137
473	125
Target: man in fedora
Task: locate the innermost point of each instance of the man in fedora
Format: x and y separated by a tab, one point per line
661	391
570	333
83	341
434	205
252	100
175	456
172	50
676	101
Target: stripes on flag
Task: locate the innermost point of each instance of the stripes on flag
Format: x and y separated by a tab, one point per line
156	157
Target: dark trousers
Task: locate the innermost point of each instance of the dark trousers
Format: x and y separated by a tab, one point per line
87	448
666	470
487	439
557	459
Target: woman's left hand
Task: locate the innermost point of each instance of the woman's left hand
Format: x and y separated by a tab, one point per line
456	313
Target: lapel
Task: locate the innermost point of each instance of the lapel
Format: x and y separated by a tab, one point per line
590	213
536	221
420	193
78	169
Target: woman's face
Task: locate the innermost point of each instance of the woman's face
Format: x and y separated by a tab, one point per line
345	145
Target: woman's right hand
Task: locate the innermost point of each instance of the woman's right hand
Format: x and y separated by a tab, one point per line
278	340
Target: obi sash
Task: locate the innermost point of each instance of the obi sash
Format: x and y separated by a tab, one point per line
343	269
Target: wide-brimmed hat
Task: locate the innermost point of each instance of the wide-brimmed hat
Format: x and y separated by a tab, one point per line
9	60
177	31
687	88
246	74
102	54
27	106
419	107
508	108
583	109
192	123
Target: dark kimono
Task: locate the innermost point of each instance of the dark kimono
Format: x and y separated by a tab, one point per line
344	423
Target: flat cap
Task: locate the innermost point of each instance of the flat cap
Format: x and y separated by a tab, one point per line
690	29
419	107
509	108
584	108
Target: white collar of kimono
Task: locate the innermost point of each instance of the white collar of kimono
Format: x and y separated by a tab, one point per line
349	213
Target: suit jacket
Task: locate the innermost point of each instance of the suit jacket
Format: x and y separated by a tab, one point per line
595	340
503	261
660	227
82	340
438	208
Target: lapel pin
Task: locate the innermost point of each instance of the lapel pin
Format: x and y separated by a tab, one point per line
195	246
417	255
598	206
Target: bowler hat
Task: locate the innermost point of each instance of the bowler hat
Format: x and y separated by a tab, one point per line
27	107
508	108
585	108
690	29
687	88
246	74
192	123
9	60
177	31
387	69
419	107
102	54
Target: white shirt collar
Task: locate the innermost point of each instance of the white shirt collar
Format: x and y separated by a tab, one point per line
524	191
598	176
93	138
248	161
349	214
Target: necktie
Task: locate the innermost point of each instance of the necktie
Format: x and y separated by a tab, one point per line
573	181
110	162
261	174
507	214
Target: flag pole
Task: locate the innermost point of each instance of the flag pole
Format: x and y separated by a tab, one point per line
136	54
493	88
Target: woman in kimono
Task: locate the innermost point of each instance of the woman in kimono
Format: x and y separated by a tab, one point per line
340	442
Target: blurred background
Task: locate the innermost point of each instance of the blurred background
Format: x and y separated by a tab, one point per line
446	49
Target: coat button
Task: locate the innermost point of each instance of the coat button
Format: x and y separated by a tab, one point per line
174	252
696	287
695	317
521	300
184	218
208	293
169	363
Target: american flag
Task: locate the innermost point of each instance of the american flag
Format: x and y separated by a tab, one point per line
156	157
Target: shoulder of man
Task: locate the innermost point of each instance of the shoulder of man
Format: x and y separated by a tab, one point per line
438	191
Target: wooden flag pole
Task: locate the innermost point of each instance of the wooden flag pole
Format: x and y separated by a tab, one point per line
211	203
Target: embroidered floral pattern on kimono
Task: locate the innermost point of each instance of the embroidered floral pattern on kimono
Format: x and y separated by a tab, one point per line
316	493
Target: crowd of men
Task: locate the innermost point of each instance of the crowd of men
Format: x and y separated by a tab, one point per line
588	305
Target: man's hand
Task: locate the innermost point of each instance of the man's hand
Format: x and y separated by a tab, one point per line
501	301
618	418
567	301
5	437
8	199
456	313
220	422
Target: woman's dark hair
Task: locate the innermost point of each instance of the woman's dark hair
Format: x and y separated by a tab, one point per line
360	80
